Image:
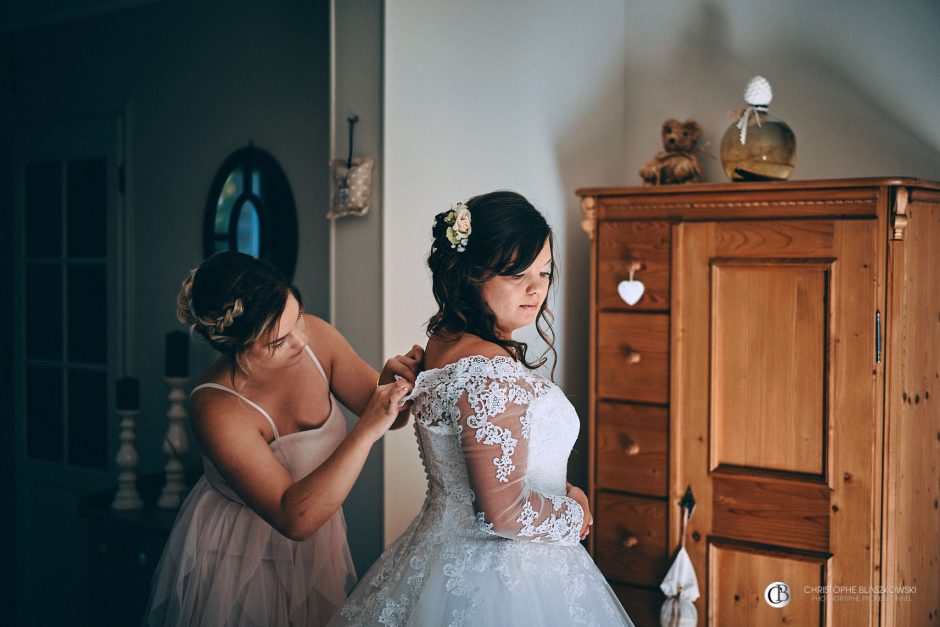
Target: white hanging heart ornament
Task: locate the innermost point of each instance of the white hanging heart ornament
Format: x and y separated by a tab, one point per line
631	291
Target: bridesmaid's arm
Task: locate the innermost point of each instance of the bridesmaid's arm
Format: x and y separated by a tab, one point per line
235	439
352	380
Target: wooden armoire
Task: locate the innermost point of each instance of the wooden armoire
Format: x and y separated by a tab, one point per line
783	362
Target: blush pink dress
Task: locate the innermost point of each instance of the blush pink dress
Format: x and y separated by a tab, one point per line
224	565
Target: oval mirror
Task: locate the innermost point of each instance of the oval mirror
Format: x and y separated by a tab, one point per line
251	209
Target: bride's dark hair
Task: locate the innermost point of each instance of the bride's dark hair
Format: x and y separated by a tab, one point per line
507	235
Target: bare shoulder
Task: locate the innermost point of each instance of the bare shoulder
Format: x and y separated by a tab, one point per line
441	353
218	415
325	340
321	333
318	325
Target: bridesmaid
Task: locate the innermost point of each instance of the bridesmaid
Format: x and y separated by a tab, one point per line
261	539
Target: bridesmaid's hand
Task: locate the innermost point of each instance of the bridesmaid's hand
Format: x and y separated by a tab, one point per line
383	408
404	366
578	495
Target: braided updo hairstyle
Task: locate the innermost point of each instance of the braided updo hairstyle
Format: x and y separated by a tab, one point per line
508	234
233	300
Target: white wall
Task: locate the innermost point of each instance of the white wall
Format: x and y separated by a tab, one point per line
855	79
545	96
488	96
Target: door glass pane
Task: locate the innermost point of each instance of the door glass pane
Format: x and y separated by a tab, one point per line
87	314
231	190
88	419
44	413
249	241
87	200
44	311
43	204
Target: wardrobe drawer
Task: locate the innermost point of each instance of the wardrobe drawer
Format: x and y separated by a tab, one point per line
633	357
631	543
622	244
632	448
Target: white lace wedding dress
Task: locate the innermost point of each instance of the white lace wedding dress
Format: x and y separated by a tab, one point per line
496	542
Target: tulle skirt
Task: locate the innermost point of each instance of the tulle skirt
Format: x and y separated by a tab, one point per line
434	578
224	565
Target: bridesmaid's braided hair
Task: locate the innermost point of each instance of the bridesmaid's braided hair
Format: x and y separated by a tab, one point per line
233	300
508	235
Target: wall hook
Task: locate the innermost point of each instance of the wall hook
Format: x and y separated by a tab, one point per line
688	505
352	179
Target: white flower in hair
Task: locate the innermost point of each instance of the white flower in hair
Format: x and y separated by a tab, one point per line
458	233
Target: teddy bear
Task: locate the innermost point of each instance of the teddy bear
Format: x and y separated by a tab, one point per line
678	163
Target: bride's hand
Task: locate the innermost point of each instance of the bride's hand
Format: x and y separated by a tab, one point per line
403	366
578	495
383	408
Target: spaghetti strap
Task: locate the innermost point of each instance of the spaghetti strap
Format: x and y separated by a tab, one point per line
317	362
216	386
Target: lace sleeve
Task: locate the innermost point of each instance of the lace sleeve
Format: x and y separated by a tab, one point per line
494	436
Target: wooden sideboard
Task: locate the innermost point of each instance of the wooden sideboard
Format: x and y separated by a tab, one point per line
124	548
784	364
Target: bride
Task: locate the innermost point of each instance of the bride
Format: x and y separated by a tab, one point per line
497	541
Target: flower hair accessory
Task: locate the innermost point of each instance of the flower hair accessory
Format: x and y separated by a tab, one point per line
459	229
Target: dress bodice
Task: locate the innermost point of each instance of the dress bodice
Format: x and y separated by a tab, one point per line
496	436
300	453
497	539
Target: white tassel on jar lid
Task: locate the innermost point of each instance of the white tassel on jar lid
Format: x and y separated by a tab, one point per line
758	96
758	92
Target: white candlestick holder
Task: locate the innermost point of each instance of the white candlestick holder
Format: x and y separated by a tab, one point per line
175	445
127	496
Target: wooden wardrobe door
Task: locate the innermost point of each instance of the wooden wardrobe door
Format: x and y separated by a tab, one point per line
774	414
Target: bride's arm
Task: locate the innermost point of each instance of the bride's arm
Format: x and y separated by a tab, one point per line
495	443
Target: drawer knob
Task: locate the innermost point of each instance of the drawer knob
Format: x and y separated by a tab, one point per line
630	541
630	447
631	356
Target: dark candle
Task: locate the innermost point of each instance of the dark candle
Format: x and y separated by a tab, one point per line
177	354
128	394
